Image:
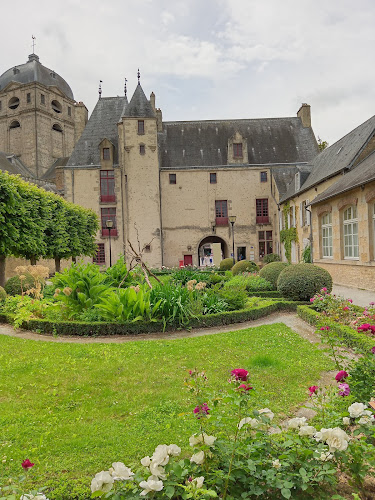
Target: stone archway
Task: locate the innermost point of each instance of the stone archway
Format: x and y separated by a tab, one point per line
205	250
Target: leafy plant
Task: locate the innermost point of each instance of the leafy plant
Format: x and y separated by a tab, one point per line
175	303
244	266
234	294
226	264
116	274
14	286
271	257
303	281
306	254
271	272
185	274
3	294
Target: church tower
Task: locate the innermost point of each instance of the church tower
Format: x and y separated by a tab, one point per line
40	122
138	148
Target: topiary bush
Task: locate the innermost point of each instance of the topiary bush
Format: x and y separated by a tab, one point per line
271	257
271	272
3	294
244	266
226	264
303	281
13	285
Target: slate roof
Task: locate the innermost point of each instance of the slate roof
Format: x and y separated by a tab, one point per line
285	177
50	175
12	164
101	125
205	143
363	173
34	71
139	106
336	158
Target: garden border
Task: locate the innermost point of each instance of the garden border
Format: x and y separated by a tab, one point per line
96	329
351	337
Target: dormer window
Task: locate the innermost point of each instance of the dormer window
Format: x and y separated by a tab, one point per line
237	150
106	154
141	127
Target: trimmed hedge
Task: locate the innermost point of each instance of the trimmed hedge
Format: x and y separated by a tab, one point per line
226	264
271	294
96	329
244	266
3	294
350	337
271	257
271	272
303	281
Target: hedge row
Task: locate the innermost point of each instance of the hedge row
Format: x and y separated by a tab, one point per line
350	337
96	329
271	294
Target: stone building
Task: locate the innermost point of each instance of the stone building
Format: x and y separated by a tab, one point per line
331	204
174	185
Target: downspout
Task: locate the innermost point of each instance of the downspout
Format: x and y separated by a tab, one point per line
161	221
311	234
36	136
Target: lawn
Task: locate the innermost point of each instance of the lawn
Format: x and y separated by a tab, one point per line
74	409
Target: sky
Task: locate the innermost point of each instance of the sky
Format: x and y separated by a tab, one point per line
208	59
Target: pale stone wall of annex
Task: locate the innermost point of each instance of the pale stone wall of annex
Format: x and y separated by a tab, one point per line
141	192
12	262
188	210
82	187
351	272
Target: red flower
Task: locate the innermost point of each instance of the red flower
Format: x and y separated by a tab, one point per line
373	352
26	464
346	308
244	387
240	374
201	410
313	389
341	375
324	328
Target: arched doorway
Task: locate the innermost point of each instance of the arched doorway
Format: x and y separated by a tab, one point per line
206	250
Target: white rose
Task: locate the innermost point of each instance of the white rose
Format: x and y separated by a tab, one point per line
198	439
365	420
198	482
266	412
323	434
152	484
146	461
346	420
325	455
248	420
157	470
120	472
295	423
103	481
30	496
338	440
209	440
174	450
198	458
160	455
307	430
356	409
276	463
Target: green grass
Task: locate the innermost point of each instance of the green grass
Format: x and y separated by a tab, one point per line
74	409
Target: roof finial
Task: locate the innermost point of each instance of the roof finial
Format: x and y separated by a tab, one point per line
139	77
100	89
125	86
34	42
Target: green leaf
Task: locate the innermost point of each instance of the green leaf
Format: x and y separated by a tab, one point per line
286	493
169	491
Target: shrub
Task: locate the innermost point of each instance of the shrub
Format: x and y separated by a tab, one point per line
244	266
253	283
234	294
226	264
271	272
115	275
271	257
3	294
303	281
186	274
13	285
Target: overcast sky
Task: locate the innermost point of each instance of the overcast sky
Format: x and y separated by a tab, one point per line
208	59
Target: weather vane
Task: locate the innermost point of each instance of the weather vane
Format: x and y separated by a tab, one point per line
34	42
139	76
125	86
100	88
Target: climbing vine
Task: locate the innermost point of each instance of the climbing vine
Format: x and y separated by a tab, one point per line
289	234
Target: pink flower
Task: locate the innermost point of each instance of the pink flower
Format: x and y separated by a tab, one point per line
373	350
201	410
312	299
240	374
350	300
346	308
372	303
323	289
344	390
366	327
342	374
313	389
324	328
244	387
26	464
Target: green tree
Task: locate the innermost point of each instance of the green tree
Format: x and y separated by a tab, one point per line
322	144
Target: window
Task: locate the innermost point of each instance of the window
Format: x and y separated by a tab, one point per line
106	154
14	124
42	99
141	127
107	186
108	214
28	97
69	111
241	253
172	179
57	127
265	243
142	149
56	106
263	177
99	257
221	212
237	150
14	103
213	179
327	235
262	211
350	233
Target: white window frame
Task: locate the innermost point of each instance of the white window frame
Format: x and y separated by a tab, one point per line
326	226
350	233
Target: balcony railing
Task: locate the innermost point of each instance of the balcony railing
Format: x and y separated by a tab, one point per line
105	232
263	219
107	198
221	221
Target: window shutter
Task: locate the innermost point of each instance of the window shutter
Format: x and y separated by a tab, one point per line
301	214
308	218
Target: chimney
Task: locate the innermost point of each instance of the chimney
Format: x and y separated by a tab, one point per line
159	120
152	101
305	115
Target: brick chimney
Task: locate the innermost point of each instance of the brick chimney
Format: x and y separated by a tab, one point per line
305	115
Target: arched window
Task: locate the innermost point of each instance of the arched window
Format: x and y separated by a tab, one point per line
14	103
327	235
57	127
14	124
56	106
350	223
